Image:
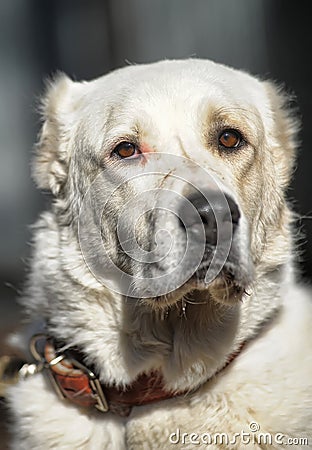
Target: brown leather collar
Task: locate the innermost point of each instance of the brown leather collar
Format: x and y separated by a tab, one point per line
82	387
75	382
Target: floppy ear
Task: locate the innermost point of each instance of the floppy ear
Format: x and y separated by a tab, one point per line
283	137
52	153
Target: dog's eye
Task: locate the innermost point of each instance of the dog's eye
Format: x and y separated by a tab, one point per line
126	150
230	139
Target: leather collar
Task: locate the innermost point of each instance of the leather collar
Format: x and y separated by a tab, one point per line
75	382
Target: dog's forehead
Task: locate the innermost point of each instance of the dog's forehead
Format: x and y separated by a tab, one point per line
171	86
168	106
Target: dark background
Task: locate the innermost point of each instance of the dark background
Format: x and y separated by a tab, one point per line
88	38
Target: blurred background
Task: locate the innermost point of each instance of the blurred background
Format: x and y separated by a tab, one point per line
88	38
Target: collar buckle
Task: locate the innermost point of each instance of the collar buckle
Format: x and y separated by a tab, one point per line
101	402
61	366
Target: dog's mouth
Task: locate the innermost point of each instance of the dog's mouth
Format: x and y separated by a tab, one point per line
222	272
220	278
228	288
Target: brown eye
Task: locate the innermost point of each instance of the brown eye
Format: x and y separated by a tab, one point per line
126	150
230	139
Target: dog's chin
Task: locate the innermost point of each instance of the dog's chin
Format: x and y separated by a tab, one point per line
225	289
164	302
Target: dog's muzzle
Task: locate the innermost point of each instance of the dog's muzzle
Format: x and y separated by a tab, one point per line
204	226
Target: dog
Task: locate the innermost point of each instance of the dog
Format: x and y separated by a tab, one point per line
163	274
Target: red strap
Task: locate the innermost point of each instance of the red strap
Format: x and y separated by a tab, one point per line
76	385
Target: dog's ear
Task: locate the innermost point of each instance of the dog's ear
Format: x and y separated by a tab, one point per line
283	132
52	153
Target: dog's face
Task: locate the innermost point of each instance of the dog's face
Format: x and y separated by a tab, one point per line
172	176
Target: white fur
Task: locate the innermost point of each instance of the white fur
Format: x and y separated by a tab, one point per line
270	381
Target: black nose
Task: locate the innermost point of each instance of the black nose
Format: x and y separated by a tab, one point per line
217	211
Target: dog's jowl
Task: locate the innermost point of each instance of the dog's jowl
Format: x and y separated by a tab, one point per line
163	274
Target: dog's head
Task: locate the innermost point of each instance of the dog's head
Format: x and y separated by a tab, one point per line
171	176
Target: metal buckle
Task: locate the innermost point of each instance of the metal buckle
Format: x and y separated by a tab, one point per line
41	360
94	382
95	385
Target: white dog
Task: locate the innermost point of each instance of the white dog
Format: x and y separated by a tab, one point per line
163	272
